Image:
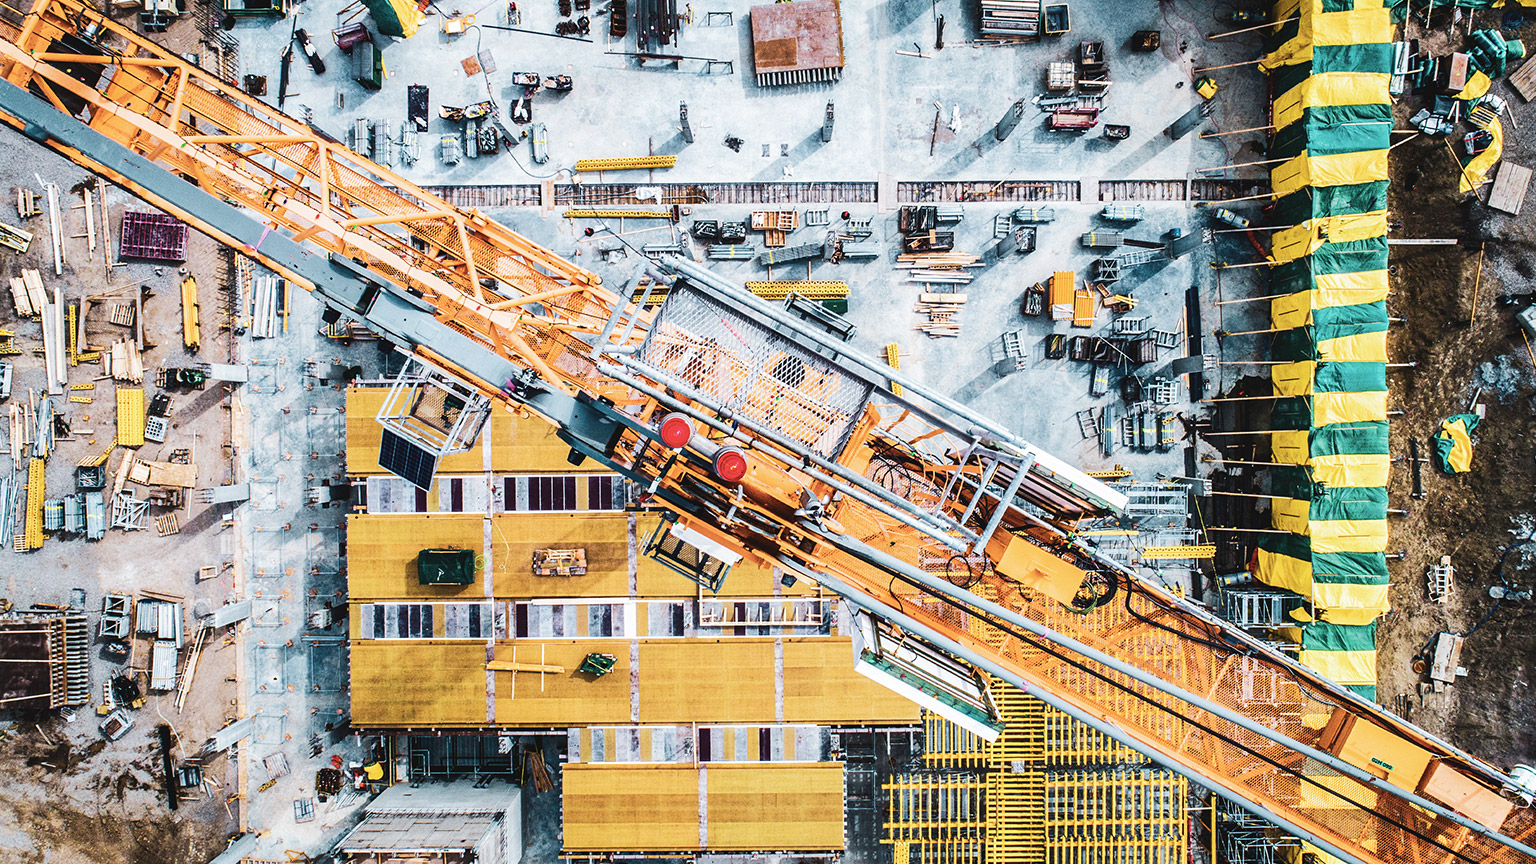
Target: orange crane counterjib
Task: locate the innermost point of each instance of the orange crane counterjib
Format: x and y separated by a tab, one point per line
890	500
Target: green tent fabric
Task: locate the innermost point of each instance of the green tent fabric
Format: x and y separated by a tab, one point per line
1330	253
1453	443
395	17
1490	52
1365	568
1312	202
1300	343
1330	130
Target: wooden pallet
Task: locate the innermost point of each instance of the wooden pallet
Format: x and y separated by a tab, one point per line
1524	79
167	525
1509	187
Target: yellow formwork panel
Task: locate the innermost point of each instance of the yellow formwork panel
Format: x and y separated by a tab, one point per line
364	434
562	698
604	536
382	550
391	685
523	445
130	417
528	445
708	681
821	686
630	807
774	806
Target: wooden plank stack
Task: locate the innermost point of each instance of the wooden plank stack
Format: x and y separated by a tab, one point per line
941	310
27	294
941	268
123	362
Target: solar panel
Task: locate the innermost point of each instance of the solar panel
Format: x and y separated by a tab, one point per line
410	462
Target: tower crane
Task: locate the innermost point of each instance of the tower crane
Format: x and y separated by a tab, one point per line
956	544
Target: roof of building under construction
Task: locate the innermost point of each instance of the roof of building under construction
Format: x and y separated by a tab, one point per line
796	37
721	807
795	667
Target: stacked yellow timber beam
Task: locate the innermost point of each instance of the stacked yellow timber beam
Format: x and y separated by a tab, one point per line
191	317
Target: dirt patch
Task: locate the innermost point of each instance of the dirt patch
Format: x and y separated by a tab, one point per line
1464	340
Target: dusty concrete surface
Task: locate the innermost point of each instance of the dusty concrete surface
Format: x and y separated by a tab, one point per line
80	798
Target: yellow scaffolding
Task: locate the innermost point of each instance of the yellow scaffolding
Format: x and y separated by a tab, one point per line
1049	790
936	819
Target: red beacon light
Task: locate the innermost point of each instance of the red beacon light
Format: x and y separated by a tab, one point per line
730	464
676	430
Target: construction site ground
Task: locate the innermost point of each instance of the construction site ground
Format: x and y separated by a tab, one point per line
283	432
1456	324
69	794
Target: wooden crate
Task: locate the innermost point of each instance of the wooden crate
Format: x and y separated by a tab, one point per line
1509	186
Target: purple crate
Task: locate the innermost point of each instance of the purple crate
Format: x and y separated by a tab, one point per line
153	235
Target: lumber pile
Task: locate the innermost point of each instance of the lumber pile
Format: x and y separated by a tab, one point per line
942	268
27	294
124	362
23	421
941	310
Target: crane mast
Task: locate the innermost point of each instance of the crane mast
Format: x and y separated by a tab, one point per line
958	545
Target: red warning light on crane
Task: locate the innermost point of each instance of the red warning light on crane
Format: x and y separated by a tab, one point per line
730	464
676	430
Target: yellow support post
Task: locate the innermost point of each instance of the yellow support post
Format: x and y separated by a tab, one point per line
1152	553
32	530
618	214
625	163
72	333
810	289
893	360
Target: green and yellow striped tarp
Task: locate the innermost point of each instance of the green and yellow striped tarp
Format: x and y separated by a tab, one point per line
1329	70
